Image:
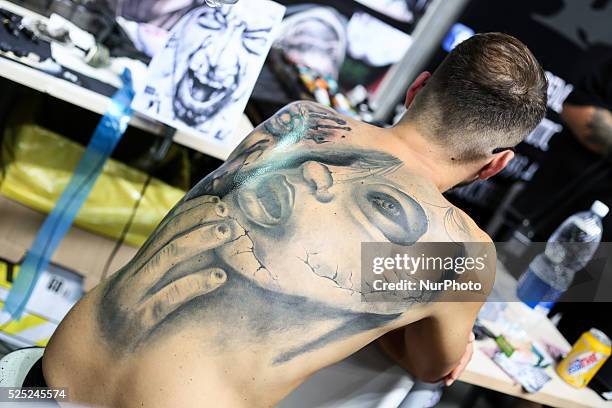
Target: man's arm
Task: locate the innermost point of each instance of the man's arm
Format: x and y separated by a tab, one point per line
439	347
432	348
591	125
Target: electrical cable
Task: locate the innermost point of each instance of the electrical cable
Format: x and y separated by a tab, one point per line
126	228
156	158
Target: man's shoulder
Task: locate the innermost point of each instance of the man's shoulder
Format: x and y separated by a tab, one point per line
307	120
295	123
306	108
474	231
460	227
477	241
306	105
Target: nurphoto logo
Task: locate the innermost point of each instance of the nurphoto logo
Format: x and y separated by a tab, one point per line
426	271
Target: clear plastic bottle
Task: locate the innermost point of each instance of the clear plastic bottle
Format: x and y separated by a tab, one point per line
568	250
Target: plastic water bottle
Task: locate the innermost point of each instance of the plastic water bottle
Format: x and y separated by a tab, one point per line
568	250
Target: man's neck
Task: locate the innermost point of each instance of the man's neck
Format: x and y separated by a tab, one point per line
425	158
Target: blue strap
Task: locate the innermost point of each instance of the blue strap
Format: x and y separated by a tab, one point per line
103	141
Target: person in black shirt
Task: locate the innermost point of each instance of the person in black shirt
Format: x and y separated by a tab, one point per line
587	110
576	156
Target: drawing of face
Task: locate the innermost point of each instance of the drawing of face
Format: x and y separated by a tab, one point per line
213	54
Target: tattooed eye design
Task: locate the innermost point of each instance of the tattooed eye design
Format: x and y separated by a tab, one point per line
387	205
398	216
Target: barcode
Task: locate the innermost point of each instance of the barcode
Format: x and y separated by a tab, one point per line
55	285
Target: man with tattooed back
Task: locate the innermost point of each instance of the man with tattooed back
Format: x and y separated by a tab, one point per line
252	282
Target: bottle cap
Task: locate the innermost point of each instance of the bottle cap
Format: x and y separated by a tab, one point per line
601	337
600	209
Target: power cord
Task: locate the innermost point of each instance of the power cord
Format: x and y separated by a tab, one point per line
158	154
126	228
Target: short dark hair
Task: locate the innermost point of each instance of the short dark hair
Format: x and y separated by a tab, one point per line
488	93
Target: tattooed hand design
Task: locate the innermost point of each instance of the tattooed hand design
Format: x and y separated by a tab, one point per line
175	266
305	122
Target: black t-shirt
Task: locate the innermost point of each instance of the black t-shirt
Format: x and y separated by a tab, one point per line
547	201
593	74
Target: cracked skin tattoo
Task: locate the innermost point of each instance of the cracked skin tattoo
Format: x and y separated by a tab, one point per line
254	248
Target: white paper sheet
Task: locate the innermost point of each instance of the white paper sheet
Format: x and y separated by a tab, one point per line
201	80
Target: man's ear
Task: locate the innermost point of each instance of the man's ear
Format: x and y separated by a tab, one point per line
416	86
496	164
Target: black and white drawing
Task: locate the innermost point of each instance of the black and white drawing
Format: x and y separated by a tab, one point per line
202	78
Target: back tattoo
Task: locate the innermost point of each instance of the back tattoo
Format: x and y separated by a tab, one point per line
269	243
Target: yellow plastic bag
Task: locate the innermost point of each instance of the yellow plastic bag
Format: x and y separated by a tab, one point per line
39	163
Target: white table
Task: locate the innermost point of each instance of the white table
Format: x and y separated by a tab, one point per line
92	101
482	371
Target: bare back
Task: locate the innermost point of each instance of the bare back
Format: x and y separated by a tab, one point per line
252	282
